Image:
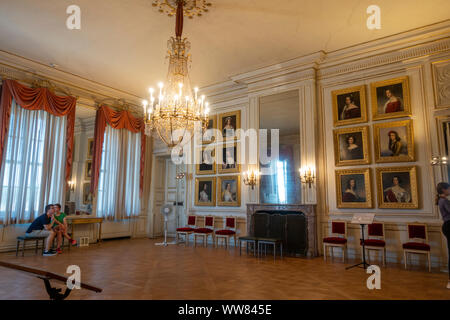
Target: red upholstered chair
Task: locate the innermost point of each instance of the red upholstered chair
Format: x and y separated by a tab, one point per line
229	231
206	231
375	240
417	243
337	239
188	230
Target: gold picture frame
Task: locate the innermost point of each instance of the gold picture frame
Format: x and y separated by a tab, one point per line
202	194
90	148
397	187
394	141
224	166
343	115
212	124
347	152
399	90
349	193
203	167
225	193
88	170
235	123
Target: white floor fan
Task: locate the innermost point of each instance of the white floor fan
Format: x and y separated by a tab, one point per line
168	212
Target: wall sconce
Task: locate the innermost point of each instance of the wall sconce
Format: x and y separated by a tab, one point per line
72	185
307	176
251	178
435	161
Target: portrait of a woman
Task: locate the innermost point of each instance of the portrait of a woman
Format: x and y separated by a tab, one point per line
395	193
393	103
227	195
350	194
228	128
352	150
395	144
350	109
203	196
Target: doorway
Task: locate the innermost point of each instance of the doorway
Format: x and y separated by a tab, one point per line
169	188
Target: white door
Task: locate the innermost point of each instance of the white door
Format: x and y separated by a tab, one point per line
175	195
159	181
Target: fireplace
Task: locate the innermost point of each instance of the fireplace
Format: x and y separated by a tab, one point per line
294	224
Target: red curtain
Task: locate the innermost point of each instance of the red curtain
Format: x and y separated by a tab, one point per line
37	99
118	120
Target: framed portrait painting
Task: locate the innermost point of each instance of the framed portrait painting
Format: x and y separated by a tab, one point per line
88	170
87	195
205	192
390	99
90	150
207	159
229	194
349	106
397	187
228	124
394	141
228	161
351	146
209	134
354	188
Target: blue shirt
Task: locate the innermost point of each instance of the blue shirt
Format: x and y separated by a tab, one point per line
39	222
444	207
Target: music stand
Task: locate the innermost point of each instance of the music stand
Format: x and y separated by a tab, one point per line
362	219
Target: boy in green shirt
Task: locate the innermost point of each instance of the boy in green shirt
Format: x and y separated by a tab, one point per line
59	224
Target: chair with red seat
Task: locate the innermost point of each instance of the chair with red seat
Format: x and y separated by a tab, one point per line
417	242
228	232
206	231
188	230
375	240
337	239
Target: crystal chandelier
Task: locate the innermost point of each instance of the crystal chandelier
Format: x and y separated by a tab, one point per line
174	109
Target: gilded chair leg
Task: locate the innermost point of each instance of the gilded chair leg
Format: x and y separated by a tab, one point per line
343	254
429	262
404	257
324	252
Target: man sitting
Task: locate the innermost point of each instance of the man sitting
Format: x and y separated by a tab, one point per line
41	226
59	225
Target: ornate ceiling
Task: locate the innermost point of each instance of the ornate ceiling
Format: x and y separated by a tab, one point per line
122	44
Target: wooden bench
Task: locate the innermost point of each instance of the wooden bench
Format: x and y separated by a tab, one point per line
24	239
46	276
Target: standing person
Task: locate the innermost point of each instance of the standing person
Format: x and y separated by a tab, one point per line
41	226
59	224
443	191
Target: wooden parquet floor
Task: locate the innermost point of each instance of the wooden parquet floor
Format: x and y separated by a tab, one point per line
137	269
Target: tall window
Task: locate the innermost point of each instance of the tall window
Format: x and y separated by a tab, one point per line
32	172
118	187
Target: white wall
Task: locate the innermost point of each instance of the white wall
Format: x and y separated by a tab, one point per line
422	55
